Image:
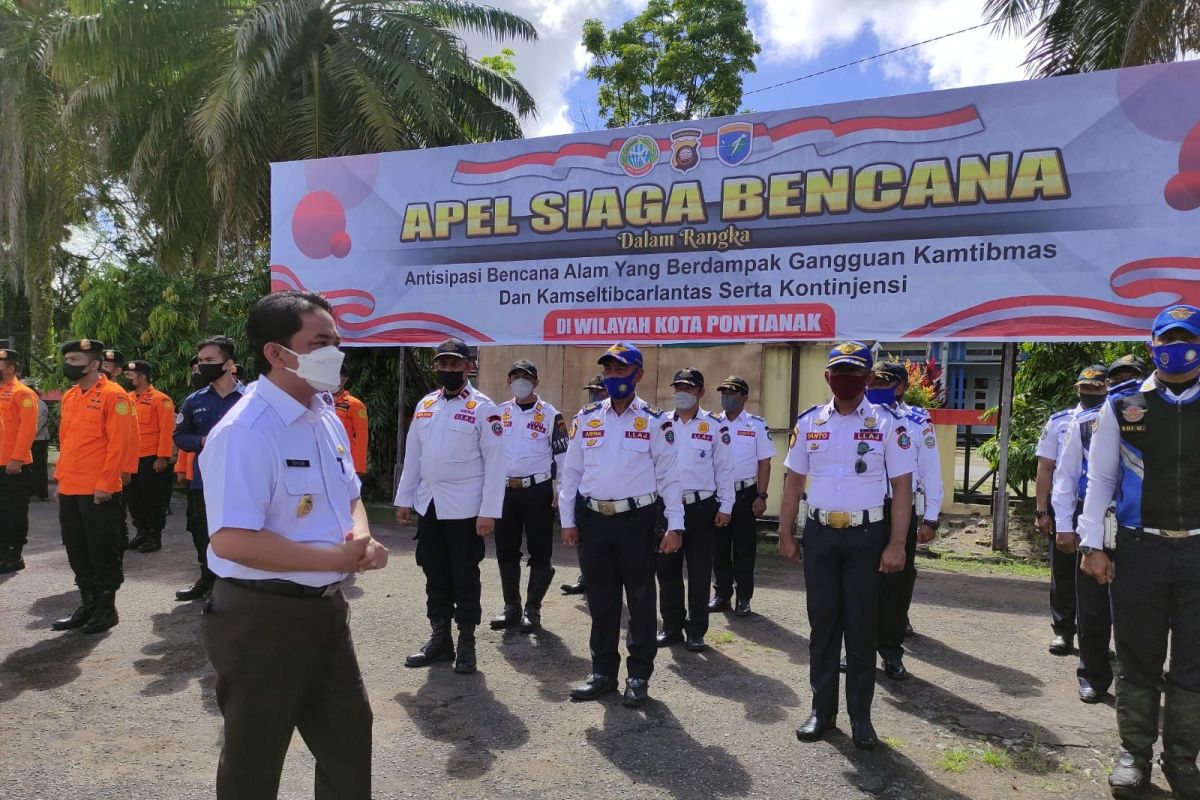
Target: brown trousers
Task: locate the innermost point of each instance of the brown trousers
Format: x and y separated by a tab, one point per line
286	664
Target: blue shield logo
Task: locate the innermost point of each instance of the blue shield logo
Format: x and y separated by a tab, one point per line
735	141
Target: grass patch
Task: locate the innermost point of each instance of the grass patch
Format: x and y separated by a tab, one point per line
1066	767
954	760
724	637
996	759
995	566
382	514
893	742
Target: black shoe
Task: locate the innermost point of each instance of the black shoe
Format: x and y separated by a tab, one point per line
667	638
136	542
637	690
577	587
1183	778
1062	645
510	616
842	665
742	609
895	670
595	686
813	728
863	735
718	604
151	544
695	644
1130	775
79	616
531	620
9	567
908	630
1089	694
440	646
105	616
464	662
196	591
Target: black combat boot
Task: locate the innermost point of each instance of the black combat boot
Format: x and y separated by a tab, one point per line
539	583
464	664
1181	742
510	583
151	543
440	646
79	616
105	615
1137	725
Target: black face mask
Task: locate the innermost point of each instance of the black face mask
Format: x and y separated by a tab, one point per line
450	381
197	381
1091	400
73	372
211	372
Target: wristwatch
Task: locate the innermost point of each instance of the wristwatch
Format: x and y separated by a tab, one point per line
1040	513
762	495
1085	550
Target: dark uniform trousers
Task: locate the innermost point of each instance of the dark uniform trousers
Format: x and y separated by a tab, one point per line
527	509
896	592
286	664
14	511
41	469
842	581
735	548
449	552
1063	569
147	491
91	533
1156	598
699	531
618	554
1094	610
197	525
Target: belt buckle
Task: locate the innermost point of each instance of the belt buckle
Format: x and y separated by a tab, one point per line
1175	534
606	507
514	483
837	519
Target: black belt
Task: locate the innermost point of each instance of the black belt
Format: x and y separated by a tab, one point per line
285	588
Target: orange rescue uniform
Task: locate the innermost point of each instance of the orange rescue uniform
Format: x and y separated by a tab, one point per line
19	410
97	439
353	414
155	414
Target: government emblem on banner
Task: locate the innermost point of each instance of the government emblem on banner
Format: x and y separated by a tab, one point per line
685	149
735	140
638	155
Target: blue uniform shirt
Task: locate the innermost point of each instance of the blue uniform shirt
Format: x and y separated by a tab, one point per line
199	413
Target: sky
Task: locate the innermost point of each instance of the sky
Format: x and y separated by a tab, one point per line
797	37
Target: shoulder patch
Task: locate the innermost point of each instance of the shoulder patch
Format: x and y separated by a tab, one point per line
122	408
362	413
755	416
590	407
809	411
653	411
1062	413
895	414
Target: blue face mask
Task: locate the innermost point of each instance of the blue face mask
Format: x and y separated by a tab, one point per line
882	396
619	388
1177	358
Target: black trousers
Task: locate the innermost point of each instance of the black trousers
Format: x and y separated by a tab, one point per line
842	581
14	511
91	533
148	492
618	555
449	552
1094	617
1063	569
896	592
197	525
527	510
41	469
735	548
1156	600
286	664
699	530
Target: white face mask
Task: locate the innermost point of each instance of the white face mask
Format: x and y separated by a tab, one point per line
521	388
321	368
685	401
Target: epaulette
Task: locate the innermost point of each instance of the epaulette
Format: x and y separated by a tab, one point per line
1062	413
895	414
806	413
755	416
653	411
590	407
1131	386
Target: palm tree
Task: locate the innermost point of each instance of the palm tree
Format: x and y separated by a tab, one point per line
1070	36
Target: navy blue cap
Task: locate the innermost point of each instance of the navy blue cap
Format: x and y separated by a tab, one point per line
689	377
1129	362
1186	317
622	353
1094	375
891	371
854	353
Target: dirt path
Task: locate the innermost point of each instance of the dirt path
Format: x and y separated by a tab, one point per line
988	713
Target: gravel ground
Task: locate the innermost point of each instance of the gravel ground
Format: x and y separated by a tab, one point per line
987	713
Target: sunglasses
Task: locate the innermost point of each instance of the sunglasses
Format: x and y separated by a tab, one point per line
860	466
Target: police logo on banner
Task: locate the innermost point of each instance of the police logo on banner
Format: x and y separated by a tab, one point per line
735	140
685	149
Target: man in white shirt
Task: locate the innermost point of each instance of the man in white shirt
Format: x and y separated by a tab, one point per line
844	454
286	527
454	477
705	464
737	543
535	440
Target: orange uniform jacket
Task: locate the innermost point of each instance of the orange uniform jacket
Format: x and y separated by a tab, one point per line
97	435
156	423
353	414
19	409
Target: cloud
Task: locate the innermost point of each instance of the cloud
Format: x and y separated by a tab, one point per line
792	31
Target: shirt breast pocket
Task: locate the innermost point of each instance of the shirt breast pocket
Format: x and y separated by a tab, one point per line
301	481
817	446
460	442
593	451
633	450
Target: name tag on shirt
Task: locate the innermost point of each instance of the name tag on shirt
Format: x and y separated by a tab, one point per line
705	437
868	436
465	417
628	434
746	433
818	436
298	462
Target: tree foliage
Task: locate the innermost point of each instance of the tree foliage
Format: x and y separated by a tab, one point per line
677	60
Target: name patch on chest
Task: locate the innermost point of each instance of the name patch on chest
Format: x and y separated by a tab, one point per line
423	415
298	462
746	433
816	436
704	437
868	436
534	426
1133	428
465	417
592	434
634	434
